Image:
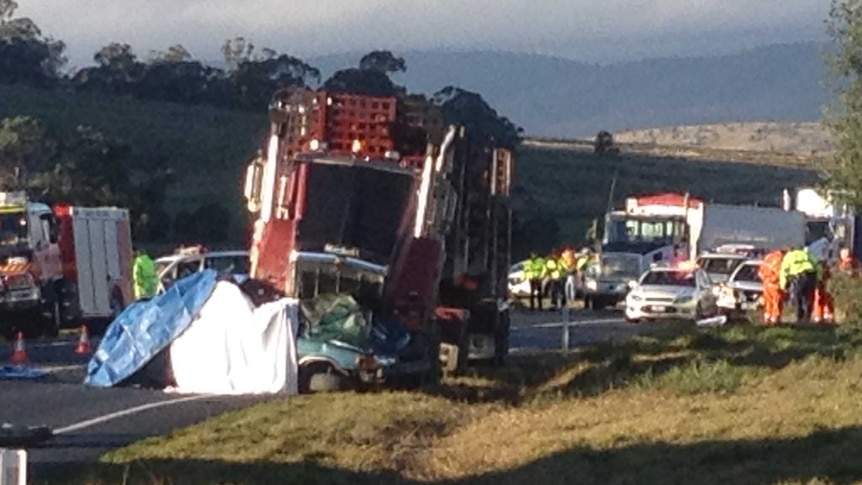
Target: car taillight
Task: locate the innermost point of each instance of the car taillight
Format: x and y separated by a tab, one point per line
19	281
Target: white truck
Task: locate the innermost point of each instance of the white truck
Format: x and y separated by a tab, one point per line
829	223
666	228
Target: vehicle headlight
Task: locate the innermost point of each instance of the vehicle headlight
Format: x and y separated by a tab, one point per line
684	299
634	297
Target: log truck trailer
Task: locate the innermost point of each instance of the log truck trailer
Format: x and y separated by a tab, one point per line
372	194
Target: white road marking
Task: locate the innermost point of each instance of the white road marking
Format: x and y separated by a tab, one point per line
578	322
126	412
60	368
43	345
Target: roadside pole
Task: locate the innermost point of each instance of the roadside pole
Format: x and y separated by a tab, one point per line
13	467
567	317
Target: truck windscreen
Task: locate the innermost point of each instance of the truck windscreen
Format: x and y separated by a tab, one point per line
13	229
355	207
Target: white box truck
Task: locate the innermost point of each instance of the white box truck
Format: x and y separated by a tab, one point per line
96	250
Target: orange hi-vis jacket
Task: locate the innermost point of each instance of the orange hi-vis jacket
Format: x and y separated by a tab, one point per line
770	270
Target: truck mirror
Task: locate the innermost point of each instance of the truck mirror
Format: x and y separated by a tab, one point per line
49	226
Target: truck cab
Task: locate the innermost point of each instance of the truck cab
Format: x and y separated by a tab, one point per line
631	244
373	191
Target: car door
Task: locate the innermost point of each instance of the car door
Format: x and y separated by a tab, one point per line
706	296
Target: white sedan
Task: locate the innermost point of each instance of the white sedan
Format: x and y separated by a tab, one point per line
519	286
742	292
671	293
177	266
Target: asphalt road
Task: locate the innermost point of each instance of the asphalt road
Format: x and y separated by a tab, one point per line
87	422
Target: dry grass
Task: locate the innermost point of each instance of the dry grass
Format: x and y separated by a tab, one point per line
736	405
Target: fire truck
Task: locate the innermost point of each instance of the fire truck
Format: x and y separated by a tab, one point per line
61	265
372	194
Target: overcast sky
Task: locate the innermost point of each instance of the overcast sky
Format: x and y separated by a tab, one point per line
590	30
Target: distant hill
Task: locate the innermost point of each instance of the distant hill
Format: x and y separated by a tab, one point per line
804	138
564	98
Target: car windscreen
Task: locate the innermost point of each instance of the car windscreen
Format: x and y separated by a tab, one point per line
723	266
232	265
669	278
747	273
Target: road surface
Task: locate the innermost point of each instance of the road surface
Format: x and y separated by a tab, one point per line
89	422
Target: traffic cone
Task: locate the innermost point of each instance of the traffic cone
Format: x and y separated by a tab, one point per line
19	355
83	346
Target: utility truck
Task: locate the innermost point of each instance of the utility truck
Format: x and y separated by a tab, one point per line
668	228
372	197
61	265
829	222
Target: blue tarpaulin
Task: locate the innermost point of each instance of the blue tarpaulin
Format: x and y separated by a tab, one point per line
146	328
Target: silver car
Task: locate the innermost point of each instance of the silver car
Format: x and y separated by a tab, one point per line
671	293
719	266
743	290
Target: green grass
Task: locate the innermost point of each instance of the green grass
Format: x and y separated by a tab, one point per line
733	405
573	186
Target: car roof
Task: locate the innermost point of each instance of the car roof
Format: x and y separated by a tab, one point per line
723	256
214	254
670	269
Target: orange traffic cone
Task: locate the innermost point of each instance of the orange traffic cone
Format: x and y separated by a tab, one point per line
83	346
19	355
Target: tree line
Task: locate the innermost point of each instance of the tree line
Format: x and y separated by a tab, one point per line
83	166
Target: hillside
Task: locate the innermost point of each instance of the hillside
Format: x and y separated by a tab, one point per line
207	147
802	138
564	98
571	185
555	180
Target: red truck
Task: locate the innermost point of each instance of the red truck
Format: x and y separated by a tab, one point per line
373	195
61	265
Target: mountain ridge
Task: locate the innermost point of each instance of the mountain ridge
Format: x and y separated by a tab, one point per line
555	96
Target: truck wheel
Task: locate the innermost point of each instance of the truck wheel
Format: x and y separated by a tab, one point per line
501	339
52	324
434	374
117	305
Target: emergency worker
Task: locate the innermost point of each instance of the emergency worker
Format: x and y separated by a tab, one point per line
824	303
847	263
570	269
568	264
553	279
146	281
533	270
773	296
799	276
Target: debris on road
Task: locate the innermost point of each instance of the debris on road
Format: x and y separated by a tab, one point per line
201	336
21	372
23	436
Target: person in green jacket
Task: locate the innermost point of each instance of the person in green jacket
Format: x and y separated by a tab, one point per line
800	272
533	270
553	280
146	281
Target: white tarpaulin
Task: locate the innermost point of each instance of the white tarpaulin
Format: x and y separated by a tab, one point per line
234	348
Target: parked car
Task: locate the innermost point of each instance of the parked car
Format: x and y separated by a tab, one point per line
743	290
720	265
188	261
519	286
675	293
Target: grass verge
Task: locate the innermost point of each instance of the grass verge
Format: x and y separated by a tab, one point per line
734	405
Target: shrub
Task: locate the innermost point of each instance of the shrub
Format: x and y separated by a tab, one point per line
847	292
